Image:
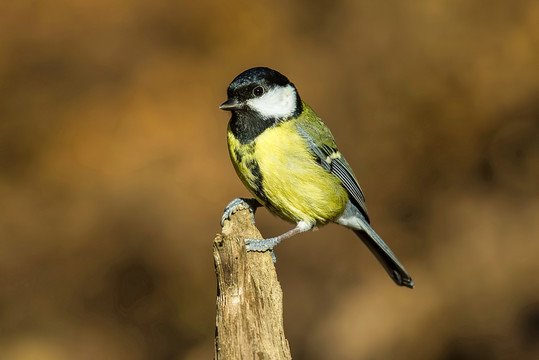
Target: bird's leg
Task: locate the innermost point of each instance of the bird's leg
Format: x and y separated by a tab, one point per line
262	245
240	204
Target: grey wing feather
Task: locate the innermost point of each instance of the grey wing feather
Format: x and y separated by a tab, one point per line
337	165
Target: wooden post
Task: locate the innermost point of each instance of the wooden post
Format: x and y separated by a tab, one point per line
249	321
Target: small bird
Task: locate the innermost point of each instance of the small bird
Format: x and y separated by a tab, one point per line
287	158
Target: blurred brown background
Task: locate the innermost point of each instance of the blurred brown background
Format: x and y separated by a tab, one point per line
114	174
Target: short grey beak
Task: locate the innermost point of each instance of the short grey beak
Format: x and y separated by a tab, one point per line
231	104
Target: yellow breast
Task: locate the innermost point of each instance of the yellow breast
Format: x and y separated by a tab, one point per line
289	182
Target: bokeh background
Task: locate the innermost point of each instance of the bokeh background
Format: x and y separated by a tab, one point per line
114	174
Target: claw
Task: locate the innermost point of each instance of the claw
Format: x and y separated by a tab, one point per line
273	257
240	204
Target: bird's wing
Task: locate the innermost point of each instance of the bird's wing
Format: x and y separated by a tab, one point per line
323	147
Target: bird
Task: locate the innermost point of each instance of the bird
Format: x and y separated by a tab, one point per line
286	156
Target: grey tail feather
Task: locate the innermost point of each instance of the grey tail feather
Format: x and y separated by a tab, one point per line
385	256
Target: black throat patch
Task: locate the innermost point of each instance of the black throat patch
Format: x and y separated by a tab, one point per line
246	124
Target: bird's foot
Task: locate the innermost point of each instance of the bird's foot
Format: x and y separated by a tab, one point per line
240	204
262	245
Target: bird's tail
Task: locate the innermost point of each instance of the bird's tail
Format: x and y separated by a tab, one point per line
384	254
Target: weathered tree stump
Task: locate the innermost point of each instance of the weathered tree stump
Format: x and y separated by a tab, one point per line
249	321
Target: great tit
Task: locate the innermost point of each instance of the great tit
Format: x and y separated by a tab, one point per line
287	158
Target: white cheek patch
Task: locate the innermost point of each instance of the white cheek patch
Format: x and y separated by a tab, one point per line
278	102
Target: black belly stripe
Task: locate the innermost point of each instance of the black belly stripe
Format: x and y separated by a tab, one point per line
238	155
257	179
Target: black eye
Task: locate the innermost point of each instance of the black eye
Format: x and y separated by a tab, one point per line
258	91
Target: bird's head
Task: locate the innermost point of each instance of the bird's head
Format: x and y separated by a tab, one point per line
263	92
